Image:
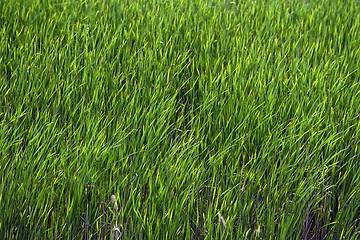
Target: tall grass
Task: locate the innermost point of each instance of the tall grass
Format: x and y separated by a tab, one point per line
204	119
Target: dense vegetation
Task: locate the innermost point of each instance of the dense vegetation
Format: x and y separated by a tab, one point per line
205	119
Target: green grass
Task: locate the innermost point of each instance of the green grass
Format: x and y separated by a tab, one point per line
205	119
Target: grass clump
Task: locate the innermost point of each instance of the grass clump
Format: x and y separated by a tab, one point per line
179	119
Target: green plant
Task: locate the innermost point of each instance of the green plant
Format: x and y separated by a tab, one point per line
206	119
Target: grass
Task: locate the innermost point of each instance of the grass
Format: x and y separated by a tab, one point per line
179	119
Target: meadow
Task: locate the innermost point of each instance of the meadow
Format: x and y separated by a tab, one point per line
179	119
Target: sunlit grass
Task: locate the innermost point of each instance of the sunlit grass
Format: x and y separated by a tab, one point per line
179	119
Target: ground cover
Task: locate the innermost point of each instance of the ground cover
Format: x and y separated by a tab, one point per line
179	119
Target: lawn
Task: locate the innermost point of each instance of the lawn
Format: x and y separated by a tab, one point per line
179	119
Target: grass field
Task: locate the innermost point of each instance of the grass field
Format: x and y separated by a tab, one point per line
180	119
